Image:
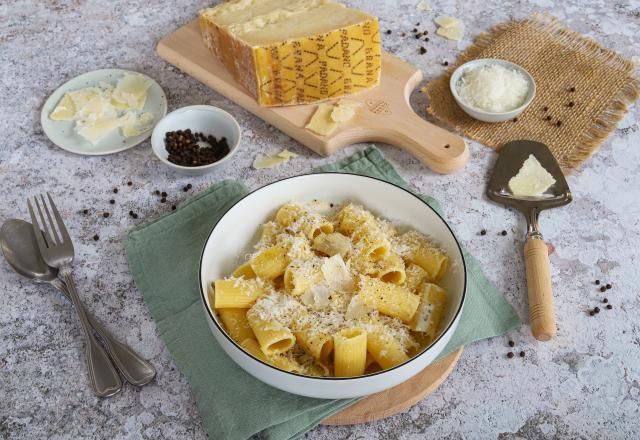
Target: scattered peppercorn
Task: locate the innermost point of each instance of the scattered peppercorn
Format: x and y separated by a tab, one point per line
331	205
545	109
418	36
173	208
189	186
134	215
426	38
414	30
603	289
163	194
606	300
591	313
131	213
609	306
596	310
445	63
388	32
162	200
572	89
402	34
96	237
503	233
515	119
185	189
548	118
112	201
608	286
105	214
423	51
115	190
571	104
597	282
510	355
157	192
522	354
418	24
483	232
558	124
512	344
129	183
85	211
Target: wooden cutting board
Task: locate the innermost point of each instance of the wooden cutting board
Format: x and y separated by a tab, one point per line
399	398
386	115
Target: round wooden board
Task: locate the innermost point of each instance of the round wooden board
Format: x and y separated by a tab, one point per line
399	398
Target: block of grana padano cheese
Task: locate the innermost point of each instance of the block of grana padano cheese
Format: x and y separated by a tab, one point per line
286	52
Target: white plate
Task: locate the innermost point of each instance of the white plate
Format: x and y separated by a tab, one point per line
239	228
63	134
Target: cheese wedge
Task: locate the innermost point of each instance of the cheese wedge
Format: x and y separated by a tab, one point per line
286	52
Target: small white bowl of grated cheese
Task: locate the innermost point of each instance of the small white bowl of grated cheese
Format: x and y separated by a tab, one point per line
492	90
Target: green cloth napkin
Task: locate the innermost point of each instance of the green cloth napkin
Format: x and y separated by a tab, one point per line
164	260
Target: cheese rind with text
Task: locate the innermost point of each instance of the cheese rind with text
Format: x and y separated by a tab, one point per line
296	51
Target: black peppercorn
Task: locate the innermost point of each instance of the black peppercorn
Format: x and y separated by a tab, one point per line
112	201
548	118
157	192
85	211
129	183
591	313
105	214
483	232
606	300
445	63
134	215
522	354
608	286
115	190
503	233
96	237
189	186
571	104
572	89
603	289
164	194
545	108
609	306
597	282
512	344
162	200
515	119
423	51
388	32
510	355
558	124
596	310
173	208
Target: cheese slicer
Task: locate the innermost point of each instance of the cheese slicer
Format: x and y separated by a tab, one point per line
536	257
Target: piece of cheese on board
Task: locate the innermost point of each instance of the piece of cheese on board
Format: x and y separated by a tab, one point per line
286	52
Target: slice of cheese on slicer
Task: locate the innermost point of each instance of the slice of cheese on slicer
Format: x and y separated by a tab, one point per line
296	51
532	179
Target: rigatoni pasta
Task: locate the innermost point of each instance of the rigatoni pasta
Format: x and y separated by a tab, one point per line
334	293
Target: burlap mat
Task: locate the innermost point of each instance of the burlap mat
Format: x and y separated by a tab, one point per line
560	60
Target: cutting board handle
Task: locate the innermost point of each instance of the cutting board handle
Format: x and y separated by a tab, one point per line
439	149
541	313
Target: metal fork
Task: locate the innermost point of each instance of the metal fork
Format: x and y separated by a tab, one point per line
57	251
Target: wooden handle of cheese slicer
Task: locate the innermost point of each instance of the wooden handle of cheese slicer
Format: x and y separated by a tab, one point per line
541	312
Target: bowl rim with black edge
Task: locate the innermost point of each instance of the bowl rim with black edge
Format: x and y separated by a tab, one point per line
454	320
159	138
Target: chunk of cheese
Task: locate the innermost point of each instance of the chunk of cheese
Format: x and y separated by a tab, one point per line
450	27
328	117
532	179
296	51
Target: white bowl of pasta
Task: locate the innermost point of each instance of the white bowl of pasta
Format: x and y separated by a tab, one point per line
332	285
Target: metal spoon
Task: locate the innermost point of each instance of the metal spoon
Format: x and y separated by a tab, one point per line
21	251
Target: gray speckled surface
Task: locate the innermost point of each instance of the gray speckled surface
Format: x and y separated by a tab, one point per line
584	384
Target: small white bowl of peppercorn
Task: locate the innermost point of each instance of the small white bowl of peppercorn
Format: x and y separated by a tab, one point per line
195	140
